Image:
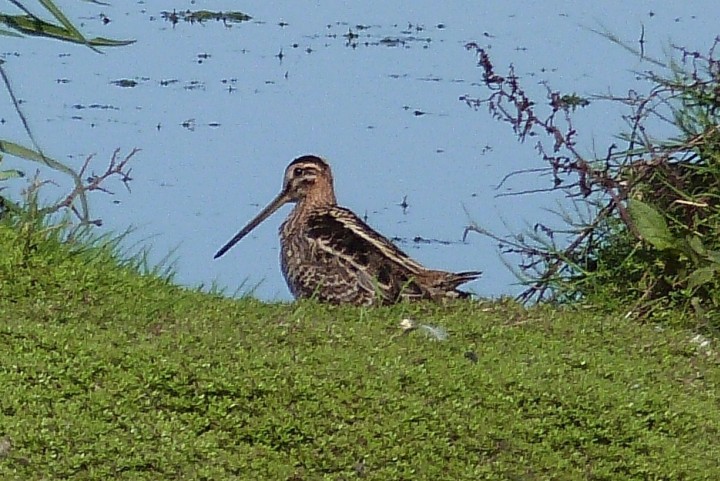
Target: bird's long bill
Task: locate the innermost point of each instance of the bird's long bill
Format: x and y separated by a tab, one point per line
276	203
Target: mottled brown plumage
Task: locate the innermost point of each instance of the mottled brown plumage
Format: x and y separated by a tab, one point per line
329	253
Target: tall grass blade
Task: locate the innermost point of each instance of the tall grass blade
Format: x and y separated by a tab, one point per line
22	152
9	33
57	13
30	25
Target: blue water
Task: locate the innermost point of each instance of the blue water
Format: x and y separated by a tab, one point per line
218	114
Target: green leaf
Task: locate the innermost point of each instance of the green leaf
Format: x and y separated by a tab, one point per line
18	150
696	245
57	13
702	276
9	33
22	152
651	225
30	25
714	257
11	174
108	42
26	153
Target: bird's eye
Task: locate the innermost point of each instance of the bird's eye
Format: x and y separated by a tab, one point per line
298	172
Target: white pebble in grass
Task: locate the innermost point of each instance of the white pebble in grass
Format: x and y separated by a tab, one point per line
435	333
407	325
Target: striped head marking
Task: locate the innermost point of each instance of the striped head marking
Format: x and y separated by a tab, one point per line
306	176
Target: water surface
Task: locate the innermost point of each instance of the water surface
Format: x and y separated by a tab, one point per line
220	108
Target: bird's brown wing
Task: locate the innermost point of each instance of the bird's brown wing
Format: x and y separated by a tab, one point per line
342	235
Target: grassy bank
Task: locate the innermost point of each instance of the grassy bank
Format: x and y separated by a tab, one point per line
106	374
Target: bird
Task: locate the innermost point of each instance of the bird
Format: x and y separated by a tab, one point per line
328	253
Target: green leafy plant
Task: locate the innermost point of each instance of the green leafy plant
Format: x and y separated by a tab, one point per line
650	235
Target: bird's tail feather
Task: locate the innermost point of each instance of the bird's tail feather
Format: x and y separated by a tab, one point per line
458	278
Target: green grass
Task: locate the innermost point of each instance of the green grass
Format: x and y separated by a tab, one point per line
106	374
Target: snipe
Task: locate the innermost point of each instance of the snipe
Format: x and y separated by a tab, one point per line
329	253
